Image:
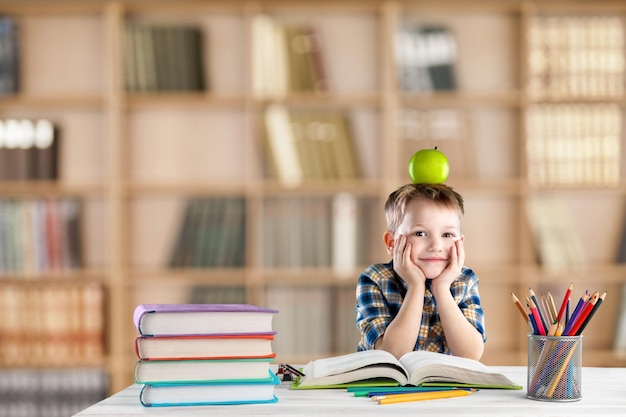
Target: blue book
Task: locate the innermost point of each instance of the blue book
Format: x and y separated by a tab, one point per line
209	393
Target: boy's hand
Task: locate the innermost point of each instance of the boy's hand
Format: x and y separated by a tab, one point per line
404	265
453	270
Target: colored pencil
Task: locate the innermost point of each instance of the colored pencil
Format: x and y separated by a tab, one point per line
402	398
520	307
564	303
582	316
591	313
533	297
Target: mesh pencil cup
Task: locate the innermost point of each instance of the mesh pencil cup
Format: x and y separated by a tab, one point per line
554	368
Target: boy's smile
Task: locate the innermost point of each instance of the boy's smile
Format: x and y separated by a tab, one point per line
432	231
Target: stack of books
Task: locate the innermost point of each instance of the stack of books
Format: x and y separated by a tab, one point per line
204	354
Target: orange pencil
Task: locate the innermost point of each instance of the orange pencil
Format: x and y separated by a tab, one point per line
520	307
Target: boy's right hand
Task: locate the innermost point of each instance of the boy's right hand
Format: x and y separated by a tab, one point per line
404	265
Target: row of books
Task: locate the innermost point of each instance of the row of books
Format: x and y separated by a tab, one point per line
204	354
576	56
575	144
286	58
314	321
52	324
316	232
159	57
296	232
309	145
29	150
50	392
40	235
212	234
425	58
558	246
9	55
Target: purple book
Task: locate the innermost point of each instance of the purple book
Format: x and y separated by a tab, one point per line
202	319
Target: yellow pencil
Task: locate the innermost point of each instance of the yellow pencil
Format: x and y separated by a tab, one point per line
422	396
559	374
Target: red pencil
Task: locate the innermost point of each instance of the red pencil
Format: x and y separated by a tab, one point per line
568	293
584	312
535	312
593	311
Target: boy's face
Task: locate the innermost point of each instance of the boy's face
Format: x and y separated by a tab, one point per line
431	230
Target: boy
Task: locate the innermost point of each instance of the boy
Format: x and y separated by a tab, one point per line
424	299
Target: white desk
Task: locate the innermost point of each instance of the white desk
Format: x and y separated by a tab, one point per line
604	393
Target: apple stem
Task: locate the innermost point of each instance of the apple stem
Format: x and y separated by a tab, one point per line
435	147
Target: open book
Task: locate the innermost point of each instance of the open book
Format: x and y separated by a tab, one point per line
414	368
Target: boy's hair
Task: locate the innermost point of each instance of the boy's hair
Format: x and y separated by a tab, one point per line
440	194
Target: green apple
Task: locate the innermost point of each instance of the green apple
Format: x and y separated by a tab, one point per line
429	166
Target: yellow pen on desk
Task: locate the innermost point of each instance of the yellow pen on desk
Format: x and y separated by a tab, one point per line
422	396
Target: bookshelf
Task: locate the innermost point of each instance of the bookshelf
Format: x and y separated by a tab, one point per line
135	158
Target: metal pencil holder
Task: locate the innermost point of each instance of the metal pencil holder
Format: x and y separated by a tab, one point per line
554	368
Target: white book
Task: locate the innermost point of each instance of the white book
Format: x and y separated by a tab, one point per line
282	146
344	233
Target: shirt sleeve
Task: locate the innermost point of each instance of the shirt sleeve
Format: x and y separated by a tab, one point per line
373	313
468	299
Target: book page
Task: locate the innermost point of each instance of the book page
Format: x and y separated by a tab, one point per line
430	366
351	361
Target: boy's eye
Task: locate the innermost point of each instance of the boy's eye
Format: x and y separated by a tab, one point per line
420	233
448	235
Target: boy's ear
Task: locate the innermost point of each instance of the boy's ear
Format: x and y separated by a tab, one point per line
389	242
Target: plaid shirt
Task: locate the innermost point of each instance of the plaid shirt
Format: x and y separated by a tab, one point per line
379	295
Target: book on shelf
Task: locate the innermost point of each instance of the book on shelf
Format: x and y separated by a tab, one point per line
575	57
199	319
284	159
202	371
344	233
306	319
287	58
309	145
573	144
51	324
28	150
210	294
426	57
619	341
40	235
211	234
163	57
621	249
167	395
419	368
556	242
219	346
9	55
36	392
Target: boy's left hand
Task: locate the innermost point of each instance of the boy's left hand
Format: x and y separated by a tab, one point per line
453	270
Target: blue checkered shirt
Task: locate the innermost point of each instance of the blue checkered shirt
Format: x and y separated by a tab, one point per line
379	295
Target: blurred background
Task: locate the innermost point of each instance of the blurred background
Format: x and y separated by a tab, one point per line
205	151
